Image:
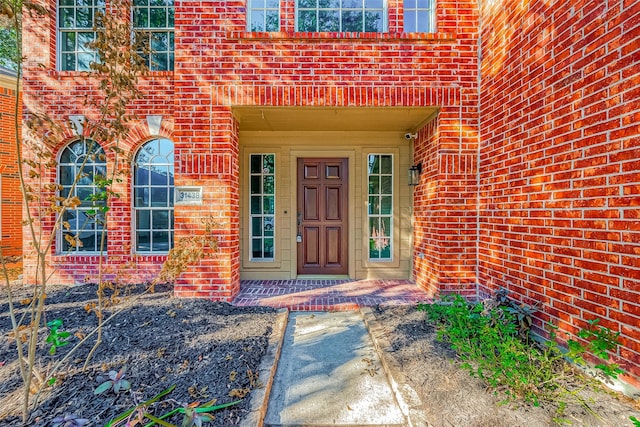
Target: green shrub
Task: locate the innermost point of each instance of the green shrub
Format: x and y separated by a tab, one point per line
491	345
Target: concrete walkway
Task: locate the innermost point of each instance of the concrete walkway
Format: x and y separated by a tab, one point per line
329	374
321	368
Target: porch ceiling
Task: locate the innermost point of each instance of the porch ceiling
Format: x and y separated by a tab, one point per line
377	119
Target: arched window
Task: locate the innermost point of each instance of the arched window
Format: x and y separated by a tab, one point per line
153	196
82	162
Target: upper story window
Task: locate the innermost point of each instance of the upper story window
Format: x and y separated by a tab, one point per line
263	15
341	16
76	19
419	16
81	163
153	196
155	19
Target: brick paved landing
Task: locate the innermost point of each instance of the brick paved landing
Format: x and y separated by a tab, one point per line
324	295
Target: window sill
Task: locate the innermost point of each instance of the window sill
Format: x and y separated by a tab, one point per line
94	256
427	37
65	74
81	256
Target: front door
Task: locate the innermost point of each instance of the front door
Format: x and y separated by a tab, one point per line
322	216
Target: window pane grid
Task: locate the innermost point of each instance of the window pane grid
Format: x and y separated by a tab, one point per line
153	187
76	20
154	19
80	225
380	206
419	16
262	207
341	16
263	15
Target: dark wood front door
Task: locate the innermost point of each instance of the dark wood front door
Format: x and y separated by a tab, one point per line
322	216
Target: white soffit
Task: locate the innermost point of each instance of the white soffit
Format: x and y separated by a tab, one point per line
377	119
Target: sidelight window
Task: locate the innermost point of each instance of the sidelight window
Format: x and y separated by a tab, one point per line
380	208
262	193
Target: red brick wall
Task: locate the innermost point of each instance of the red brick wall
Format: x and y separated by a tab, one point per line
11	211
445	210
560	186
61	94
219	65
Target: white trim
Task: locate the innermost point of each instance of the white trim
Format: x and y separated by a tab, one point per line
171	208
60	231
391	216
385	16
262	215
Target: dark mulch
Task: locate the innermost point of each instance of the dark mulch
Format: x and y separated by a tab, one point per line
210	350
206	349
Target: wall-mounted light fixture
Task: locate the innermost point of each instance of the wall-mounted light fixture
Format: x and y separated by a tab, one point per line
414	174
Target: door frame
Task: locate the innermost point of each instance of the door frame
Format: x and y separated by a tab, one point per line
354	199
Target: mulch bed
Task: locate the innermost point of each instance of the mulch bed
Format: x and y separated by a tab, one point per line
212	350
206	349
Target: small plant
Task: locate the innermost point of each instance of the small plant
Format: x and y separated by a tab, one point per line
194	415
116	382
522	313
489	340
635	421
193	418
69	420
142	407
57	338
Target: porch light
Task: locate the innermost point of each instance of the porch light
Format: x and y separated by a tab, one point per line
414	174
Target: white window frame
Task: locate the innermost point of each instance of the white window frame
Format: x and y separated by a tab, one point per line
78	230
168	30
96	5
263	216
371	210
265	9
170	188
339	9
419	8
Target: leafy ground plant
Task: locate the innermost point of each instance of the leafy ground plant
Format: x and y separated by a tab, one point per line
57	337
193	414
69	420
491	348
116	382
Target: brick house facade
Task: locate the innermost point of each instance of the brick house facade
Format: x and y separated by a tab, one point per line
293	139
10	197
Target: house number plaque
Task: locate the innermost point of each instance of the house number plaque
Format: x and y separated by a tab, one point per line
188	196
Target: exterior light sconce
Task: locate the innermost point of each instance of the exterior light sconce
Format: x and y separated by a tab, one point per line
414	174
